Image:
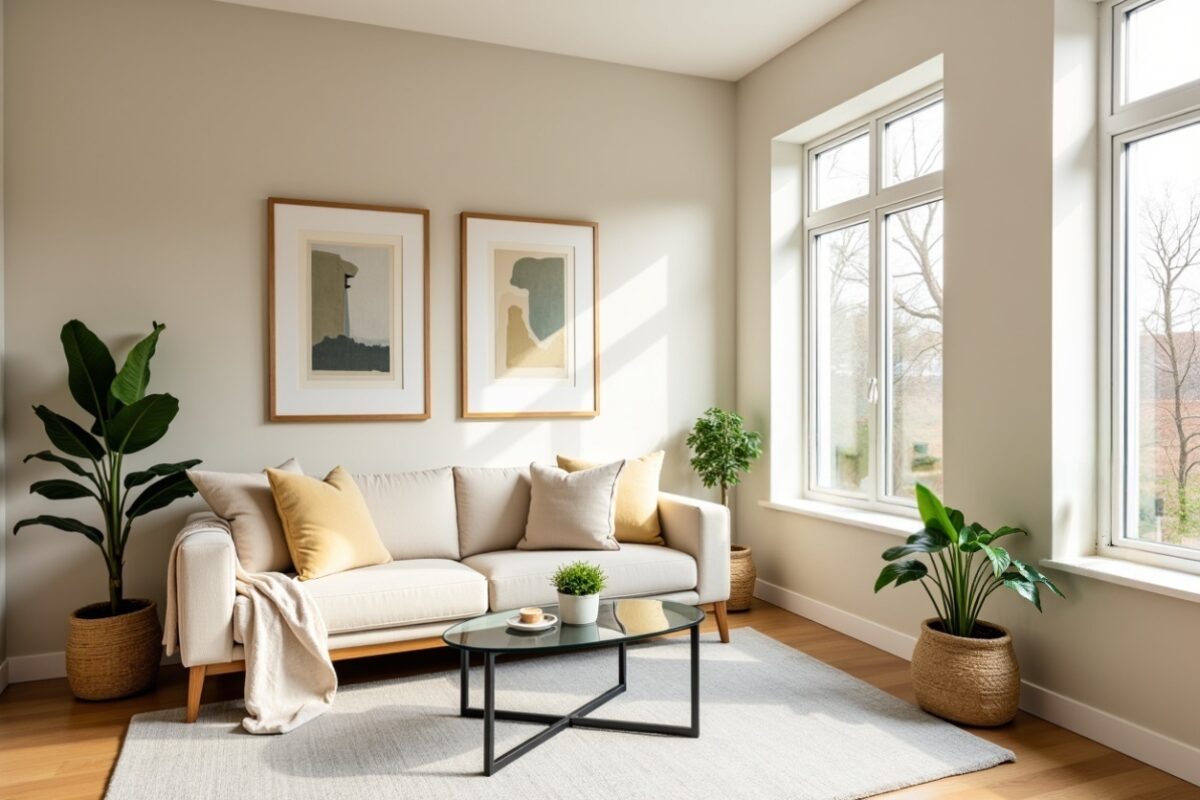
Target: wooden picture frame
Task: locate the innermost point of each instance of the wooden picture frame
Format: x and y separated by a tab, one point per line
372	369
517	360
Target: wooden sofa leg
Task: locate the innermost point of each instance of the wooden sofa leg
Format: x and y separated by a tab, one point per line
722	620
195	689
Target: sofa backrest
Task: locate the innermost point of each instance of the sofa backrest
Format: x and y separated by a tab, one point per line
493	506
414	512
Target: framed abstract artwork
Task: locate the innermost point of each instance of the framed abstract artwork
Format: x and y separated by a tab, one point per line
530	328
348	289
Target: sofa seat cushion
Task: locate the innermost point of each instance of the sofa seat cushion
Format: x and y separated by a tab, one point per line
409	592
522	577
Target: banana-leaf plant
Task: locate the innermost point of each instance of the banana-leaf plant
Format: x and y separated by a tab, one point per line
125	420
962	584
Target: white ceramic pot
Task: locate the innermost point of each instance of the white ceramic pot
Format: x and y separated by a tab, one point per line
578	609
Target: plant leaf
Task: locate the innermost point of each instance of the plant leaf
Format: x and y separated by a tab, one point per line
60	489
968	538
933	513
131	382
1004	530
1032	575
999	557
46	455
920	542
143	423
63	524
1024	587
900	573
90	368
157	471
68	436
160	494
956	518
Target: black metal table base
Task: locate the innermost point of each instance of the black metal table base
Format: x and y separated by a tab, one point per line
578	718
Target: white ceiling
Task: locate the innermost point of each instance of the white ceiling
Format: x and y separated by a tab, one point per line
712	38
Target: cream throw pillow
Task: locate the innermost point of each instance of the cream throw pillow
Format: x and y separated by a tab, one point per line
244	499
571	510
327	524
637	497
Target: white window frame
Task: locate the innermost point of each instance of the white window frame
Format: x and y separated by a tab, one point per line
1121	123
872	208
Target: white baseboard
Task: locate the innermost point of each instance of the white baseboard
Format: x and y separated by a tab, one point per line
1169	755
1157	750
37	667
874	634
3	675
44	666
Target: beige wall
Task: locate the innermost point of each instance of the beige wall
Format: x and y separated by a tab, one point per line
1124	651
143	139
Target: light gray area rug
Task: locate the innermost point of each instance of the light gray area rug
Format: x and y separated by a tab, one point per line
775	723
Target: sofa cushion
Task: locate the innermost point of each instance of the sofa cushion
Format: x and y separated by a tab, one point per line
414	512
637	496
327	525
572	510
245	501
493	506
521	578
400	593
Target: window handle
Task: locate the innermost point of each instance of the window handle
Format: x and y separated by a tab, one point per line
873	391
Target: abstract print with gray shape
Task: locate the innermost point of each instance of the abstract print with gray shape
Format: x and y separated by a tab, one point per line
351	307
533	319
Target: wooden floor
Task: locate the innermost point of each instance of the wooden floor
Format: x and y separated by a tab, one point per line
52	746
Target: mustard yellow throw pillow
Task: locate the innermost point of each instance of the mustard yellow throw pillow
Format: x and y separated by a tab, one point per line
637	496
326	523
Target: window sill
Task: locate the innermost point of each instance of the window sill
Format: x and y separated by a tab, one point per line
1169	582
894	524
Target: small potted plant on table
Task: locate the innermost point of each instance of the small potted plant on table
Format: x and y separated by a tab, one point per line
579	585
963	669
723	450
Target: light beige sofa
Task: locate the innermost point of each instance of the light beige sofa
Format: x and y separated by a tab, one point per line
453	534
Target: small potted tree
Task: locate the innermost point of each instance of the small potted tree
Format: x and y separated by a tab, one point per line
963	669
579	585
722	450
114	647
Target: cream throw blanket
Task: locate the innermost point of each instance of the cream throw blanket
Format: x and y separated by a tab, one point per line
289	676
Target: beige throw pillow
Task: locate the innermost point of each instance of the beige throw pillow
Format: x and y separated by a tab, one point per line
493	507
244	499
572	510
327	524
637	497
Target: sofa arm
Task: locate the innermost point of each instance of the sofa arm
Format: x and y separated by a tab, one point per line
700	529
205	589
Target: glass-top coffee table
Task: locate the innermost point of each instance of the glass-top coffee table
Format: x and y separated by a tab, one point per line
620	622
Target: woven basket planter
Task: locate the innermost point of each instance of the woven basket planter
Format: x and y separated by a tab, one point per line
742	575
111	657
972	681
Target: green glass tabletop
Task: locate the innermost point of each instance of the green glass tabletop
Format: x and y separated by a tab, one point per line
619	621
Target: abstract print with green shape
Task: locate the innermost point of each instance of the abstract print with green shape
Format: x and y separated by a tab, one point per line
545	281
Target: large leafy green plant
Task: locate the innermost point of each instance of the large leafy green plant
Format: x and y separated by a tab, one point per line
125	420
963	585
723	449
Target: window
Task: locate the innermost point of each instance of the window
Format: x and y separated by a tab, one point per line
873	284
1152	279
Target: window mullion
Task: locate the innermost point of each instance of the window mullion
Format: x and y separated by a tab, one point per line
877	359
